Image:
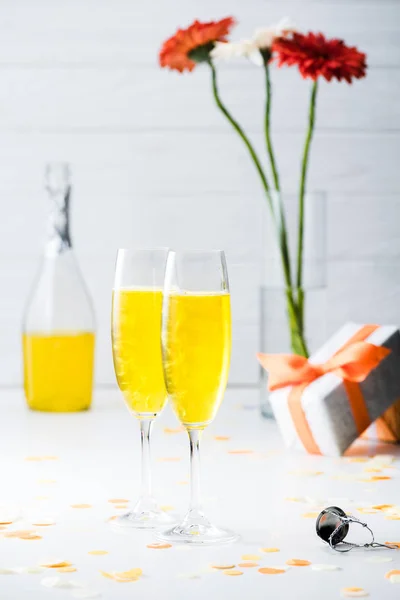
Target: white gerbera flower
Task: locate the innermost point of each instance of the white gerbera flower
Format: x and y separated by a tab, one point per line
228	50
264	37
262	40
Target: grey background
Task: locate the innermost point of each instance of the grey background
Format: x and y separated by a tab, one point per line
154	163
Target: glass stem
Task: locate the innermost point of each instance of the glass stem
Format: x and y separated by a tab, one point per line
145	431
195	492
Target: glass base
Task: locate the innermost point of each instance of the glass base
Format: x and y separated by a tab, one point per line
145	515
197	530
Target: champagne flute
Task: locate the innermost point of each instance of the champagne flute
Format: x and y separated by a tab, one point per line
136	343
196	345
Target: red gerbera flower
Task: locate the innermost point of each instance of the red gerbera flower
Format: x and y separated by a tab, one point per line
318	57
192	45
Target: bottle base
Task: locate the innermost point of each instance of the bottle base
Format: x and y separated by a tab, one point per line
60	408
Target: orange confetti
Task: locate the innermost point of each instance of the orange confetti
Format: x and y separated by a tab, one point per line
380	478
23	534
222	567
33	458
221	438
354	592
240	451
393	544
18	532
271	571
170	459
250	557
232	572
66	569
383	506
372	470
367	511
172	430
269	550
167	507
57	564
298	562
98	552
248	564
107	575
118	501
159	546
123	576
393	572
184	482
310	515
357	459
6	522
81	506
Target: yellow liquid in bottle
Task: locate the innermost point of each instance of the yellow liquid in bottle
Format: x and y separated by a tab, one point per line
197	355
136	337
58	370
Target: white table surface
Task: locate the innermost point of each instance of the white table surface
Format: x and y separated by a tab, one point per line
98	459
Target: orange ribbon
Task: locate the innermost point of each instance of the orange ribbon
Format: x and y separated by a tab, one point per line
353	362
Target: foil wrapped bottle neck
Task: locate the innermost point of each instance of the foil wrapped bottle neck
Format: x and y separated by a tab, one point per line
58	187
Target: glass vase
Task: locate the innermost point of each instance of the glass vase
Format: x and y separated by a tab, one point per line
292	317
58	331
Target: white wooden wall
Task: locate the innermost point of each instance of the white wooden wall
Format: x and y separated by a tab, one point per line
154	163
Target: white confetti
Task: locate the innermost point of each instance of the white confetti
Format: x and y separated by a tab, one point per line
85	594
32	570
379	559
383	459
51	581
325	567
316	501
60	583
394	579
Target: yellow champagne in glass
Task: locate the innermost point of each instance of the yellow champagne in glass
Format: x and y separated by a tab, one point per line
196	351
136	342
197	354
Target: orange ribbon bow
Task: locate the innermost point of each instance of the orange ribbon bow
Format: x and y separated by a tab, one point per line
352	363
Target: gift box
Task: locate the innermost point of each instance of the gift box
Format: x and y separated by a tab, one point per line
322	405
387	427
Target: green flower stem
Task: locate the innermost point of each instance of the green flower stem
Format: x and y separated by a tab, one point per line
298	343
241	133
297	339
303	180
282	230
255	159
267	121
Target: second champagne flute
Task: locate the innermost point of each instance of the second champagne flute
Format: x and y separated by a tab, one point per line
136	331
196	344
